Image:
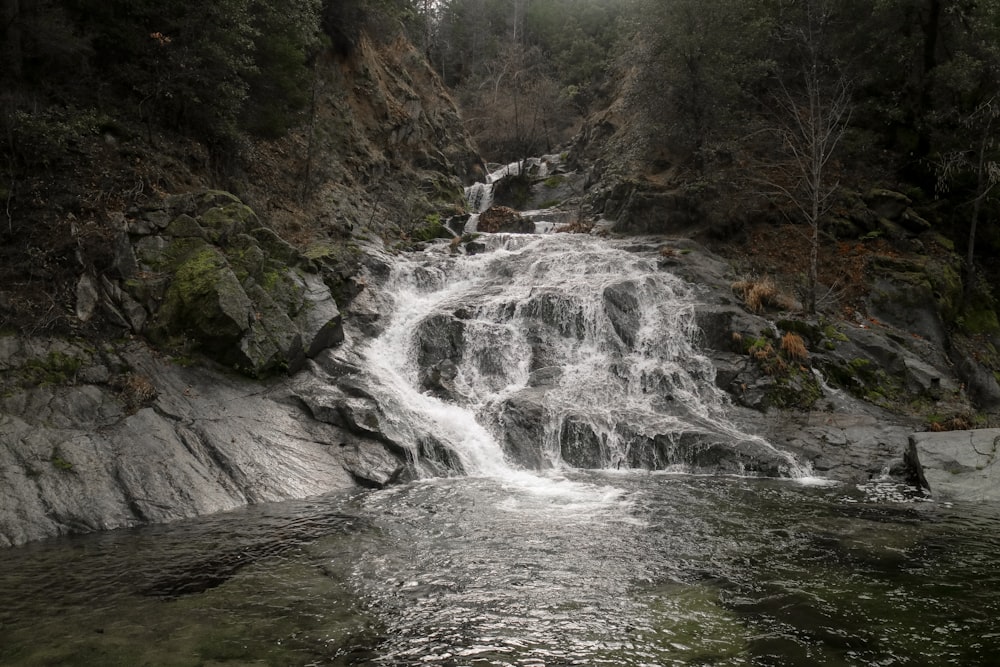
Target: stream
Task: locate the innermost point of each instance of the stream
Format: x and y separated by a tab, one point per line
586	568
580	497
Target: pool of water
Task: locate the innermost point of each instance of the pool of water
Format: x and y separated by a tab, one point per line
586	568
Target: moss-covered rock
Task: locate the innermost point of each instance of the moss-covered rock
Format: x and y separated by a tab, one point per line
220	281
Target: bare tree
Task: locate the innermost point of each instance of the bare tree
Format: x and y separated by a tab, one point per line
811	121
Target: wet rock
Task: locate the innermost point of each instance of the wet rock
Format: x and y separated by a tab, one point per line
622	308
957	465
440	338
76	458
581	447
501	219
522	420
557	312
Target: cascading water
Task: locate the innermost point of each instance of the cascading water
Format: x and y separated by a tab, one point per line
549	351
479	196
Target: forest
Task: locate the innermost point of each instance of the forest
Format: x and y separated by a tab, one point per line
789	103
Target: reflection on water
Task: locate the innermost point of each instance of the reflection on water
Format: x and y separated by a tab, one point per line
599	569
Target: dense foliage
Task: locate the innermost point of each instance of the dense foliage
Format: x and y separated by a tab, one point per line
524	70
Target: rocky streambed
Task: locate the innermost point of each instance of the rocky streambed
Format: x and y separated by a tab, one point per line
649	359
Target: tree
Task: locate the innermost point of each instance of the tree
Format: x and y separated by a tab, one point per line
810	122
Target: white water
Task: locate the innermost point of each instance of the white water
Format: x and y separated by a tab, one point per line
536	318
479	196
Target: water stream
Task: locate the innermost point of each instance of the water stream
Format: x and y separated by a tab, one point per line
585	502
595	568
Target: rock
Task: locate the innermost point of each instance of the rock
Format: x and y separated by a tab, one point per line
581	447
980	382
957	465
216	277
87	298
501	219
555	312
622	308
131	309
319	320
651	210
522	419
439	338
206	300
73	459
852	442
887	203
910	306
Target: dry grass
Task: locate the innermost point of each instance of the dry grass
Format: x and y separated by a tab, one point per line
956	423
794	347
135	390
761	293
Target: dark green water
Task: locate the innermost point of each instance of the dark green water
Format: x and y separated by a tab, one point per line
599	569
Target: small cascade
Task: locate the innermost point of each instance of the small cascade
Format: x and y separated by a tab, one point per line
479	196
548	351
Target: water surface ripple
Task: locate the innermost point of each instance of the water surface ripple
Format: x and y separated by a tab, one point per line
592	568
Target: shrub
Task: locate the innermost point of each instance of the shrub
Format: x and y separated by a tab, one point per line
760	293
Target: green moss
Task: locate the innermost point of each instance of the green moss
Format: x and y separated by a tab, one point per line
831	333
554	181
199	274
979	321
432	228
59	463
55	368
549	203
866	381
222	217
795	387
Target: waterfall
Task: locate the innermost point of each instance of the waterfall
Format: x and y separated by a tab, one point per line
479	196
549	351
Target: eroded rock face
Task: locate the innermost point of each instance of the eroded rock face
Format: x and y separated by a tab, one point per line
99	439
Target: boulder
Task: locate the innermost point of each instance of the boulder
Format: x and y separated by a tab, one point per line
523	420
957	465
501	219
214	277
440	338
